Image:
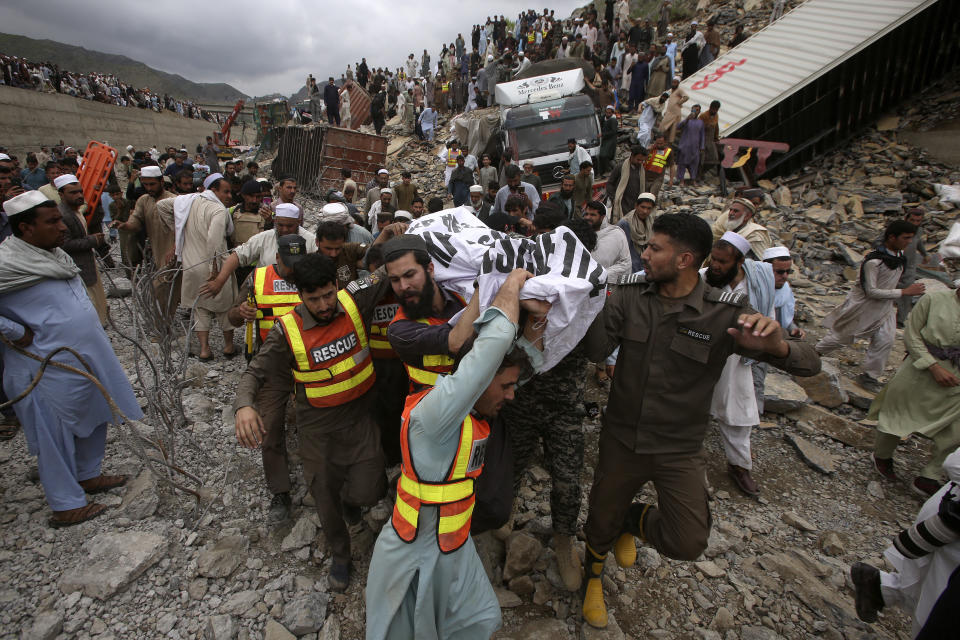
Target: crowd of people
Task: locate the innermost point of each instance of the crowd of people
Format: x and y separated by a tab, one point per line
405	388
100	87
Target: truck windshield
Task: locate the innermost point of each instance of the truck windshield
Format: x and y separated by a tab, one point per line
551	137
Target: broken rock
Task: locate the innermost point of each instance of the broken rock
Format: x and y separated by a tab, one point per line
223	558
220	628
301	535
824	388
815	457
141	499
781	394
113	561
522	552
305	613
796	521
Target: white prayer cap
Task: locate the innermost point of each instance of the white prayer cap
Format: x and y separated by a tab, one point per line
4	156
611	107
287	210
335	212
677	78
383	172
776	252
489	58
737	240
129	147
403	215
24	202
213	177
65	149
61	181
386	190
670	35
476	188
694	23
647	196
151	172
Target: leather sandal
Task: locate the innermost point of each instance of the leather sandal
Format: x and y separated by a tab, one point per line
103	483
71	517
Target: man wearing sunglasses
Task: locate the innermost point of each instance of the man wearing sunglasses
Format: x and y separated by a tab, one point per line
783	300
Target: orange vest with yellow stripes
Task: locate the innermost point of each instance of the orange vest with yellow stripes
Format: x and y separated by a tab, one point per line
274	297
455	496
333	362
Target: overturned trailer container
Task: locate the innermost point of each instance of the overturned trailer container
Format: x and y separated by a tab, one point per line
315	154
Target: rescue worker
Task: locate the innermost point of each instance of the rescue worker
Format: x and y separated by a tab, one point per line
675	333
658	162
322	347
426	579
449	158
266	295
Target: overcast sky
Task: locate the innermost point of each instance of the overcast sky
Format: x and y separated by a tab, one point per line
259	47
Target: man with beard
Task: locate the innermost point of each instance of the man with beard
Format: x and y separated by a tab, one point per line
675	333
183	182
421	333
739	219
79	244
321	349
638	227
735	406
564	197
426	578
160	235
264	296
250	216
626	182
612	250
477	203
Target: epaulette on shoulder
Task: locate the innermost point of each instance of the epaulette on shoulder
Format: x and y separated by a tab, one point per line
733	298
633	278
360	284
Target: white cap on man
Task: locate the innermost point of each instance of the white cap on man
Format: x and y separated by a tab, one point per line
386	190
383	172
648	197
25	202
287	210
151	171
737	240
403	215
4	156
61	181
213	177
774	253
476	188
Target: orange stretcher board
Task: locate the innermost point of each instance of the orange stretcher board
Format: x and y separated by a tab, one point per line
98	161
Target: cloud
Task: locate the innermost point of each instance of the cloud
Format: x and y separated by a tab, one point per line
259	48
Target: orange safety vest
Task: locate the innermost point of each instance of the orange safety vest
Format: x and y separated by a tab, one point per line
274	297
531	37
333	362
431	366
657	160
455	496
445	87
452	155
383	315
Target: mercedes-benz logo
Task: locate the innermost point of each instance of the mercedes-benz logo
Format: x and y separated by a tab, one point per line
558	172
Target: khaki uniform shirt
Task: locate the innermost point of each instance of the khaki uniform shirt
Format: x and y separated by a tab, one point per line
274	362
671	355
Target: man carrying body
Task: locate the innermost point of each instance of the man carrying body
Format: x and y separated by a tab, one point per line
321	349
43	307
868	312
675	333
736	404
739	219
638	227
426	579
626	183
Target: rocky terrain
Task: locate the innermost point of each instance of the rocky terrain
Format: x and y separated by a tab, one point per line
164	564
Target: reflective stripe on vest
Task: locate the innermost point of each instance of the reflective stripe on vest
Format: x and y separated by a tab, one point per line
452	155
271	304
349	373
431	365
383	315
455	496
657	161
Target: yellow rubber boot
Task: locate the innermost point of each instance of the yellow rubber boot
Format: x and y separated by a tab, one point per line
594	608
625	550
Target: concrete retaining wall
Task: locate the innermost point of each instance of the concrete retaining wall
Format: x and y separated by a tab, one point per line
29	119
